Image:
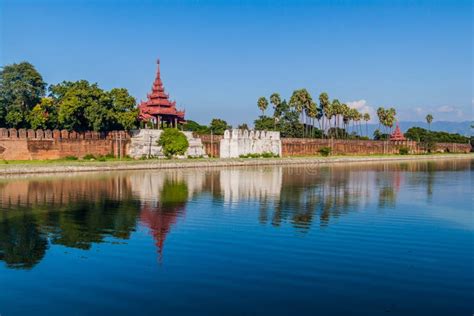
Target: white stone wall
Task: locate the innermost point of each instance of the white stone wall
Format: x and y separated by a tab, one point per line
143	143
243	142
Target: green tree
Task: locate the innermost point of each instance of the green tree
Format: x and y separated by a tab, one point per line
123	111
289	124
301	100
264	123
82	106
218	126
275	99
243	126
429	119
21	88
44	115
262	104
193	126
173	142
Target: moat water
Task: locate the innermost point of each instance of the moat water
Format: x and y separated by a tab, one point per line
367	239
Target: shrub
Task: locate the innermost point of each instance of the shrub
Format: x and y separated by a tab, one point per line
70	158
89	157
173	142
262	155
404	150
110	156
325	151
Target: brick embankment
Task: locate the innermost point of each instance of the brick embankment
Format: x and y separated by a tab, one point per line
78	166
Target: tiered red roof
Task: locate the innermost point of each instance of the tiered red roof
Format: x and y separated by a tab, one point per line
158	103
397	134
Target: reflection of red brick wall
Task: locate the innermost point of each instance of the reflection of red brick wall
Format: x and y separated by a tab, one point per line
26	145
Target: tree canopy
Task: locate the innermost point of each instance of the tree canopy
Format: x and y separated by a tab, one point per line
21	88
78	105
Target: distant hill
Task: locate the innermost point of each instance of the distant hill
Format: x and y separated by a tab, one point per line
463	128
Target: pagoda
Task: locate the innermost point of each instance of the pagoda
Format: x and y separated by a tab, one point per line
158	109
397	134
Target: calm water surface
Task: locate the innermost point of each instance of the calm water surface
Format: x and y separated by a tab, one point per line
368	239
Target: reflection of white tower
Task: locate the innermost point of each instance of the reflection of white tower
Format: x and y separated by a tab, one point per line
246	184
147	185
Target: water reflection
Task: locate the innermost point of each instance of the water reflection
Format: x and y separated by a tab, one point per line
78	211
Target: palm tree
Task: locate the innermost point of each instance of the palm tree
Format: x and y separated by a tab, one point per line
381	114
391	113
366	118
337	110
312	113
276	101
324	105
345	117
262	104
301	100
429	119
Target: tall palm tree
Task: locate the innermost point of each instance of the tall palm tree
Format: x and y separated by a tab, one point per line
337	110
345	117
262	104
429	119
366	118
312	113
301	100
276	101
324	105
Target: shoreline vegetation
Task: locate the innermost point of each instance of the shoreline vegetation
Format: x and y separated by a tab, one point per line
65	165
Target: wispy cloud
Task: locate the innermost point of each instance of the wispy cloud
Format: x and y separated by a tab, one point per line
363	107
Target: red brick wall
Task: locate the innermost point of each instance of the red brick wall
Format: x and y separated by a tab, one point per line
211	144
308	146
26	145
304	147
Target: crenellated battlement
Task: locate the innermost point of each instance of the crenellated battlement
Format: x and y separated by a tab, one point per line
39	134
255	135
238	142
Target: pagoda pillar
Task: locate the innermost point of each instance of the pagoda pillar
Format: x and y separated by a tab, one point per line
175	122
158	121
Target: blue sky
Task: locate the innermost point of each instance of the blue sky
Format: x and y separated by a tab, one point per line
218	57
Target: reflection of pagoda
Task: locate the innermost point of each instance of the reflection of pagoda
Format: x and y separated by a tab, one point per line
160	220
397	134
158	108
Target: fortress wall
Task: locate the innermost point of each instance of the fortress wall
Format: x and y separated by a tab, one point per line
243	142
46	144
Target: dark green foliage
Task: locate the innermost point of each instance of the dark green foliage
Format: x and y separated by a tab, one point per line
404	150
71	158
264	123
425	136
76	105
89	157
218	126
173	142
262	155
325	151
337	132
84	106
21	88
380	136
243	126
192	126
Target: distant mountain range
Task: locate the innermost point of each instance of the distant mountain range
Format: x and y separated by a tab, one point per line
463	128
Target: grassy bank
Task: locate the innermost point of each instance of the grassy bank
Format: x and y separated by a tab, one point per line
111	164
